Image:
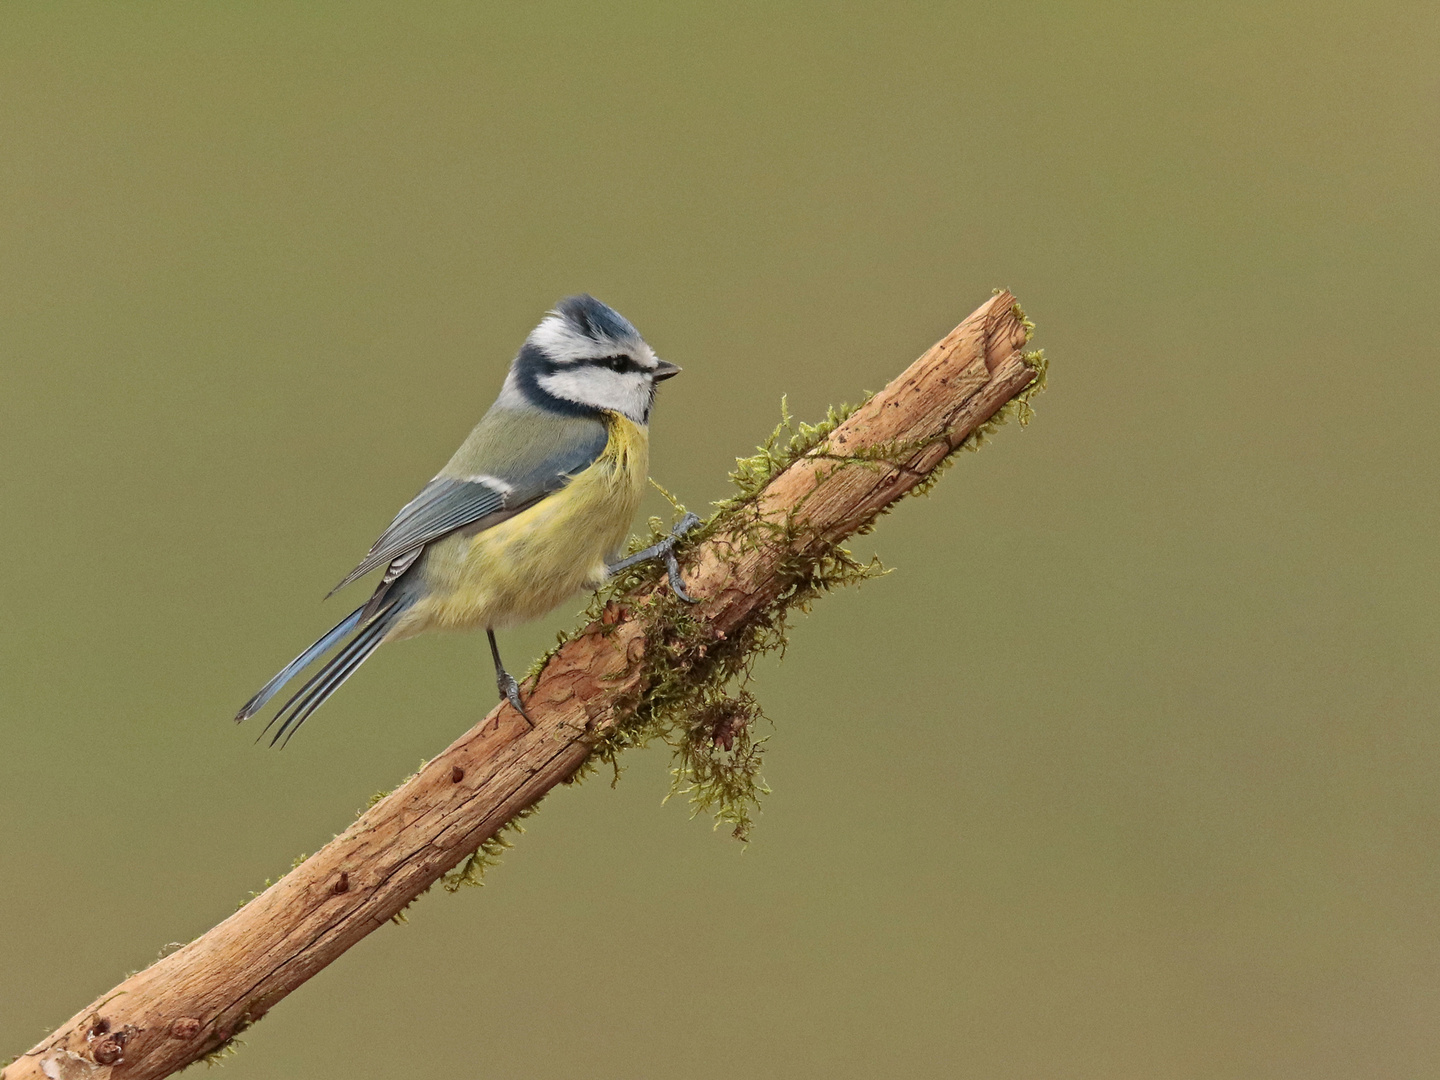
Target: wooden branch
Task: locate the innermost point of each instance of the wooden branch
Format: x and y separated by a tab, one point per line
194	1000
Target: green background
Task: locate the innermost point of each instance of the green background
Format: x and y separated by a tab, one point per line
1131	769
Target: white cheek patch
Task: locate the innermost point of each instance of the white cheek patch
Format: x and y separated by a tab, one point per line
627	393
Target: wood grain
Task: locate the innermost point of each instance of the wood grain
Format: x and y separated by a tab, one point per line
191	1002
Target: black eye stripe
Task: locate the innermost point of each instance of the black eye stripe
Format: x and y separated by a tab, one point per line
618	363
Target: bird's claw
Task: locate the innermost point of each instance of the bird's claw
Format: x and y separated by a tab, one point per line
684	525
665	549
677	584
510	691
672	564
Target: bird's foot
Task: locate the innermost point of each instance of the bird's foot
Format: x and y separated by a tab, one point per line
665	549
510	691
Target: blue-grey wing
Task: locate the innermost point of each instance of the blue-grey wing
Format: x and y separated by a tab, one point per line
443	506
451	502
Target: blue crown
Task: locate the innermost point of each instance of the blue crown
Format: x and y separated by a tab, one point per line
595	320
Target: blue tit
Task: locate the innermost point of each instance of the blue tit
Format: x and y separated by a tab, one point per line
534	506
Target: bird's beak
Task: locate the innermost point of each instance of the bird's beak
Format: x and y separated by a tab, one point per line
664	370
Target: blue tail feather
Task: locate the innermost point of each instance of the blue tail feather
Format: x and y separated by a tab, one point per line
290	670
333	675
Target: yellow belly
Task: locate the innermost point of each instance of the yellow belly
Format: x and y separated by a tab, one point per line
530	564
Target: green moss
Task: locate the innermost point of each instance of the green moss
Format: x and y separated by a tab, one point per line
254	893
229	1048
471	872
377	796
1017	408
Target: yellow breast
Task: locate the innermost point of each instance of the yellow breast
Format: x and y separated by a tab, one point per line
531	563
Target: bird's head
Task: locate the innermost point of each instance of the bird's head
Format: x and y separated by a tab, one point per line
585	357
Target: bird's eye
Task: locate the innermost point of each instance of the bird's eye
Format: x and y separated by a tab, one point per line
617	363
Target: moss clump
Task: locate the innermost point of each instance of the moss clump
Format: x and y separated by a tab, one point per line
229	1048
471	872
1017	408
787	444
696	698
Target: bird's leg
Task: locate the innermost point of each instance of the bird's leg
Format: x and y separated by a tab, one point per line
505	682
664	549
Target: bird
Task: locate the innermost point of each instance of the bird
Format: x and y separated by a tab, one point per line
533	507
